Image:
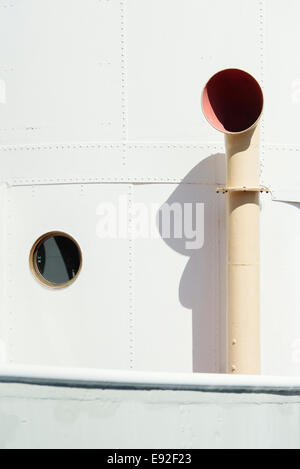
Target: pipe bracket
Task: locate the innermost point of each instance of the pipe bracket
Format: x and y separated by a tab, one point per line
224	190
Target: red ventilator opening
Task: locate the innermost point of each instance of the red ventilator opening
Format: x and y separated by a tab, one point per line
232	101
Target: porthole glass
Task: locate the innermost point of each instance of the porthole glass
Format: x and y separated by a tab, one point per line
55	259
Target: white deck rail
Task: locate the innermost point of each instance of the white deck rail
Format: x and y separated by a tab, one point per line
79	377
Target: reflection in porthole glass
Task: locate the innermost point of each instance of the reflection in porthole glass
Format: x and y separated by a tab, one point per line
55	259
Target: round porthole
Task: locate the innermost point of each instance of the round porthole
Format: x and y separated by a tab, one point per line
55	259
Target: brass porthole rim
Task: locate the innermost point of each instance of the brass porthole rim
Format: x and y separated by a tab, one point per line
33	262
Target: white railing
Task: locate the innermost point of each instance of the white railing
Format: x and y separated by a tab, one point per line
151	380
